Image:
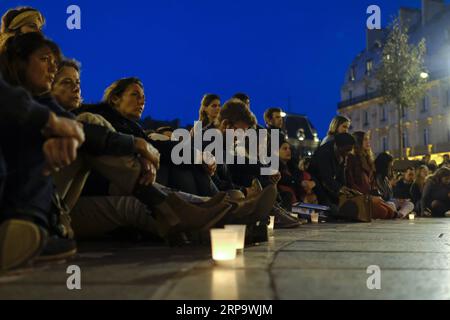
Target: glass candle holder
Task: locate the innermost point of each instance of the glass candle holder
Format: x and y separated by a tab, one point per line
240	229
412	216
271	225
314	217
223	244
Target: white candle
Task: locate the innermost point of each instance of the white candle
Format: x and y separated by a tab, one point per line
411	216
314	217
240	229
271	225
223	244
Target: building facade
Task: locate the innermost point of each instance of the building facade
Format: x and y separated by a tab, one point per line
426	125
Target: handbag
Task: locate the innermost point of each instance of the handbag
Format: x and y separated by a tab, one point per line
356	207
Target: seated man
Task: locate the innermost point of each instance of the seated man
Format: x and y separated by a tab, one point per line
402	189
327	168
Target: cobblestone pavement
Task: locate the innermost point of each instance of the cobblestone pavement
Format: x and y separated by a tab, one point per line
326	261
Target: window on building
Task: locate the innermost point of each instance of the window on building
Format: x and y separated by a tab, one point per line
352	76
369	67
366	90
385	144
426	136
404	113
350	95
405	140
424	104
383	113
366	118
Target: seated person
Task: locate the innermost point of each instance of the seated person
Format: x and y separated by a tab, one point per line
402	189
436	194
327	168
383	176
417	187
298	184
360	174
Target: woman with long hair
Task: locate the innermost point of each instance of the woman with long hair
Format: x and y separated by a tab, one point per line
209	110
360	174
339	124
436	193
384	173
418	185
295	184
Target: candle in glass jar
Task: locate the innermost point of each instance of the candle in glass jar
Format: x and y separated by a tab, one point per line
223	244
314	217
240	229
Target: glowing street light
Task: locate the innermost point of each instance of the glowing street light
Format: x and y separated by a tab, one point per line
283	114
424	75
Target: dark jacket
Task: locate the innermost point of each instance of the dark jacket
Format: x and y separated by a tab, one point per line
18	108
402	190
384	187
359	176
433	191
328	173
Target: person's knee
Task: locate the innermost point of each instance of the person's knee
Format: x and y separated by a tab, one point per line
92	118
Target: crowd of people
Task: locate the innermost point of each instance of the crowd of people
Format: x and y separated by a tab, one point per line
72	171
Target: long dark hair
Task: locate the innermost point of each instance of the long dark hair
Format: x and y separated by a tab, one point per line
383	165
17	51
206	101
365	156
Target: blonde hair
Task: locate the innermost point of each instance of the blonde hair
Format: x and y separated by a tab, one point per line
336	123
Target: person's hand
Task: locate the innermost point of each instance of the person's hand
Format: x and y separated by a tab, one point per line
148	172
61	127
275	178
147	151
58	153
210	163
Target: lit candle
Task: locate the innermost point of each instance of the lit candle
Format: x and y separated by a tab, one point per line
411	216
240	229
271	225
223	244
314	217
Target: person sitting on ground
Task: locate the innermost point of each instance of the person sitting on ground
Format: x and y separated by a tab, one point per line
31	141
417	187
327	168
339	124
436	194
384	172
402	189
122	106
297	184
360	174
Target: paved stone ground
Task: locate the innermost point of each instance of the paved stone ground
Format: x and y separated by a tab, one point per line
326	261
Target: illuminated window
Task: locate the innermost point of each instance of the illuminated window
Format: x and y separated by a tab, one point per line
426	136
385	144
369	67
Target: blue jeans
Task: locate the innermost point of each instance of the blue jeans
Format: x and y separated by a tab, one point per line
26	193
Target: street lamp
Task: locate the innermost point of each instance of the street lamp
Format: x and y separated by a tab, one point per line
283	114
424	75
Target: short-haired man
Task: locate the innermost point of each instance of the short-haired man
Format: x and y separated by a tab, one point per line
402	189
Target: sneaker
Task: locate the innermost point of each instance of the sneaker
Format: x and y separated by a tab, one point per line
447	214
58	249
20	242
